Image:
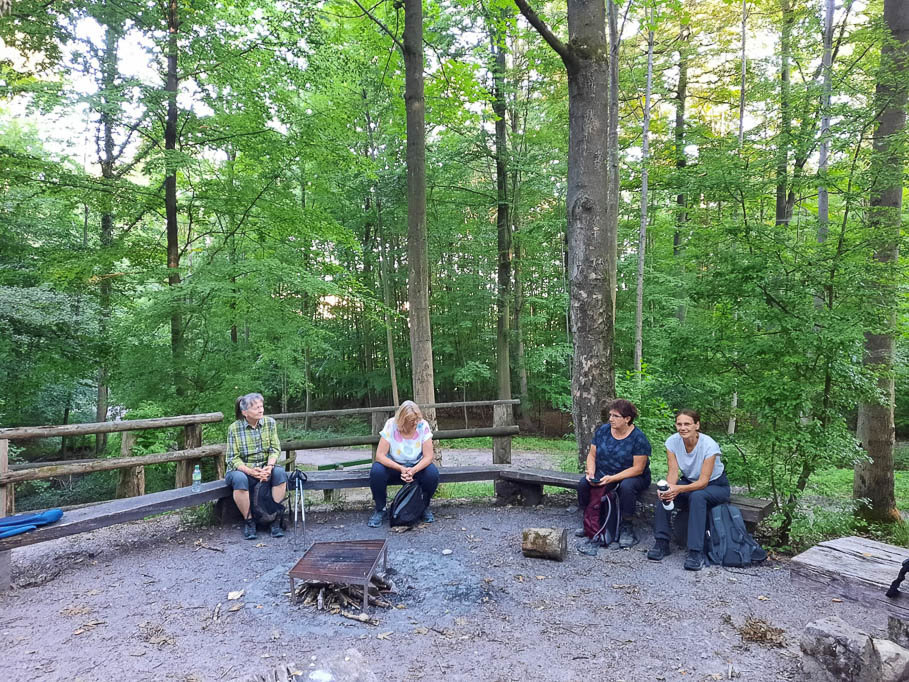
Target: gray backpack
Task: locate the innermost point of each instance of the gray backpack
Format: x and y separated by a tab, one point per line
730	543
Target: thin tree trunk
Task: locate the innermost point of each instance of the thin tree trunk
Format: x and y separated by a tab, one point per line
612	148
681	199
503	222
744	65
874	478
642	233
170	201
823	210
783	214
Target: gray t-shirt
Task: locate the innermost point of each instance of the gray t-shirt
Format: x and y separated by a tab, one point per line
690	463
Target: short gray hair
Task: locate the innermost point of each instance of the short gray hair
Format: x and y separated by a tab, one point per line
244	401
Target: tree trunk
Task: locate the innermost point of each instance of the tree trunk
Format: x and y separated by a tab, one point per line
503	222
874	478
417	253
612	149
642	232
591	243
785	139
545	543
681	199
170	201
823	205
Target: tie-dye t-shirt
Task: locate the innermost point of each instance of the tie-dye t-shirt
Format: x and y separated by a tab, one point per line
406	451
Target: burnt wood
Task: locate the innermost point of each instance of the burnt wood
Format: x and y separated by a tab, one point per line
856	568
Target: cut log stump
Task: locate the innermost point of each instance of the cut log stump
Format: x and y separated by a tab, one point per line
545	543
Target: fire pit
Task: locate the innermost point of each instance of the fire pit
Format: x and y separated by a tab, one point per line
352	562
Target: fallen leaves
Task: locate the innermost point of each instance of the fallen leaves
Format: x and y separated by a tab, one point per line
87	627
761	632
233	596
384	635
80	610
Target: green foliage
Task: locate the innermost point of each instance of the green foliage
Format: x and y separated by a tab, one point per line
202	516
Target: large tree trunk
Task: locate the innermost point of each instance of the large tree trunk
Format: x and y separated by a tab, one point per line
642	232
417	254
503	221
591	244
874	478
612	148
170	201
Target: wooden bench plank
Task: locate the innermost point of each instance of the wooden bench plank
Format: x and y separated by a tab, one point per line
118	511
856	568
754	510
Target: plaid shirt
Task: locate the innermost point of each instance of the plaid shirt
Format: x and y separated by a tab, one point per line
253	447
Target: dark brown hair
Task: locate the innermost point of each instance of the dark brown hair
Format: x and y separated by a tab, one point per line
689	413
625	408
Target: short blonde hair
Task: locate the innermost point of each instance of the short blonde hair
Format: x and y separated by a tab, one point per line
407	410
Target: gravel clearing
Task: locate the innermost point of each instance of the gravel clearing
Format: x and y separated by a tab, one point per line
138	601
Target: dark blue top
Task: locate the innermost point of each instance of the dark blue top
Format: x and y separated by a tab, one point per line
615	455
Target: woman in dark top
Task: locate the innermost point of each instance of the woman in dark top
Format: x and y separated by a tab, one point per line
619	453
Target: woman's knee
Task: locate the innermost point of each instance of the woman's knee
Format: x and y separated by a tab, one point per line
278	476
236	480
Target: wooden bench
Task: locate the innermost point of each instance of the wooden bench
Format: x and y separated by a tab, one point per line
522	485
857	569
528	483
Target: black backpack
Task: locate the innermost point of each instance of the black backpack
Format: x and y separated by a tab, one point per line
407	507
264	508
730	544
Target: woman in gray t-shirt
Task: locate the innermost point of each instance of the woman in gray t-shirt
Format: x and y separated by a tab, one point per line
697	481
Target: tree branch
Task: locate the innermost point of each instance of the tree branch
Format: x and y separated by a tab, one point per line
380	25
547	35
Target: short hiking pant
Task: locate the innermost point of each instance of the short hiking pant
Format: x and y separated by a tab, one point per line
629	489
380	477
237	480
696	504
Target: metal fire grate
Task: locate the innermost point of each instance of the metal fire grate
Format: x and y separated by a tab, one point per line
351	563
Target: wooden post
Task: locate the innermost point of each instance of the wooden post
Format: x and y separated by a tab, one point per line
192	438
132	479
501	447
378	421
5	557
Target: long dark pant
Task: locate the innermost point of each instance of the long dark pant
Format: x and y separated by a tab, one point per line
380	477
696	503
629	489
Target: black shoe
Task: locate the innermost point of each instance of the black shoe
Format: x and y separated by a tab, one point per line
377	518
695	560
659	551
428	516
249	529
276	530
627	537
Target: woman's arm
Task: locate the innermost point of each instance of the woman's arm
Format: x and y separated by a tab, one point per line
702	482
426	459
636	469
590	467
383	458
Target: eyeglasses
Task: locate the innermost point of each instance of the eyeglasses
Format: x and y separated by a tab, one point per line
613	415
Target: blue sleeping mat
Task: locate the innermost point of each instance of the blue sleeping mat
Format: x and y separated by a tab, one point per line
22	523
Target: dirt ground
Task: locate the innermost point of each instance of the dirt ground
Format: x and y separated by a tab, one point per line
149	601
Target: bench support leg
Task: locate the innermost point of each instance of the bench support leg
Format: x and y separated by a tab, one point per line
511	492
6	570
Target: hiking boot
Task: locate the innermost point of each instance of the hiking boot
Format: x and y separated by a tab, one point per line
659	551
627	537
276	530
695	560
377	518
579	533
249	529
589	547
428	516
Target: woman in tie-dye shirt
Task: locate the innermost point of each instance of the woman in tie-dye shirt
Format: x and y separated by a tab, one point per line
404	455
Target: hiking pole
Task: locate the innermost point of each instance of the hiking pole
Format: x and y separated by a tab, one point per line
894	590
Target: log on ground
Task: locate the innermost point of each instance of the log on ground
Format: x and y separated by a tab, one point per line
545	543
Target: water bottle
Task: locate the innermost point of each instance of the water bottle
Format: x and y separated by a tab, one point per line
197	479
663	486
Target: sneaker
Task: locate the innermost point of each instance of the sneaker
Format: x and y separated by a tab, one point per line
249	529
695	560
579	533
276	530
428	516
589	547
659	551
627	537
377	518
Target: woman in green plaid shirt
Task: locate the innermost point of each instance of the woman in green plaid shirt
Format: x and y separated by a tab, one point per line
252	451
